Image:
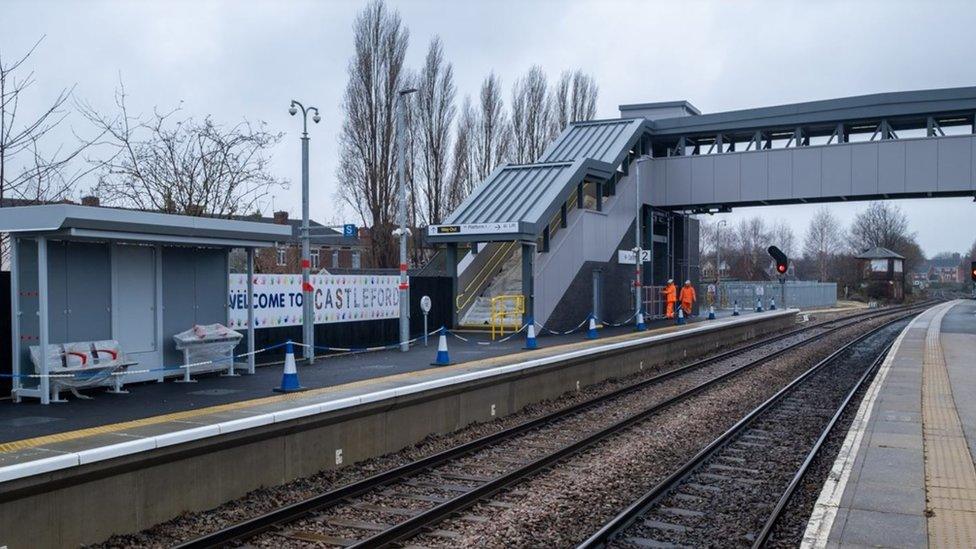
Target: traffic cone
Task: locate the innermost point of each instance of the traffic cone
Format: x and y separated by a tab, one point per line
289	377
530	342
681	315
591	330
772	304
758	304
640	322
735	308
711	312
442	357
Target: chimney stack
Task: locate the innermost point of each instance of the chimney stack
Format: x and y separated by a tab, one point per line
281	218
90	200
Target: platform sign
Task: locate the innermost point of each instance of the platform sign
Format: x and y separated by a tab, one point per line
473	228
349	230
628	257
337	298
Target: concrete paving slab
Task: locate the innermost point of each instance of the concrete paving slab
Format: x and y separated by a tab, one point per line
878	529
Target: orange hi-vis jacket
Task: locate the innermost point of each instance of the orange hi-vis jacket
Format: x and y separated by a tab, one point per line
688	295
670	293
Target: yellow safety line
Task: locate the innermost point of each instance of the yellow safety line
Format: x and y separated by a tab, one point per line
950	476
35	442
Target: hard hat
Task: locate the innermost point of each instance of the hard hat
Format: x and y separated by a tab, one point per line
670	281
687	282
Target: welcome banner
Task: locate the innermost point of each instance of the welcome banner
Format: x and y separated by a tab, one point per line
337	298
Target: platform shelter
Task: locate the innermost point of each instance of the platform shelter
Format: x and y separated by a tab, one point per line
118	282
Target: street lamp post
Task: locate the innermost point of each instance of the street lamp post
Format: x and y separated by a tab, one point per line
308	311
638	251
402	231
718	260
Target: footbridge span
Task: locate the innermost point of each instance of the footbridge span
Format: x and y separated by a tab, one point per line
573	209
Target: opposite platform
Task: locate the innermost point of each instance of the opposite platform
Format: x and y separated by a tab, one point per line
905	475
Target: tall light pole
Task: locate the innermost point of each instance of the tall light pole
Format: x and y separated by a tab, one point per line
308	311
638	251
718	260
402	232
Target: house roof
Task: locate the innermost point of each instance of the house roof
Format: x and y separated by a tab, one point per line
879	252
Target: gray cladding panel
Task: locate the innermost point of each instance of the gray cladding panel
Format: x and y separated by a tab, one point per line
806	172
727	177
178	299
955	164
57	291
679	181
89	291
922	165
864	168
780	175
836	171
659	179
753	177
211	286
891	167
703	180
135	312
29	322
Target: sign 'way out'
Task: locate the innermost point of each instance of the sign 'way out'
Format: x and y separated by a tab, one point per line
473	228
628	257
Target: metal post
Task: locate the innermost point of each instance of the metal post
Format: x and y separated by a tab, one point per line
308	310
527	283
42	314
16	384
718	261
638	280
250	310
452	273
402	176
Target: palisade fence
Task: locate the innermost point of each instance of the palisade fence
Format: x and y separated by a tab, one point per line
799	294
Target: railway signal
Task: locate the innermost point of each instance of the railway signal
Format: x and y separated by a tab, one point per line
972	271
782	262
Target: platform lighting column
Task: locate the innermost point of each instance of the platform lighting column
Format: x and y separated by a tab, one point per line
308	311
718	260
638	279
402	231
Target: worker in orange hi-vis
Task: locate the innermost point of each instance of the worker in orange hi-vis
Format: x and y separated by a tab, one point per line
687	297
670	297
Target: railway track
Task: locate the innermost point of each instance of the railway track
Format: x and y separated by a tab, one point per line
734	491
397	504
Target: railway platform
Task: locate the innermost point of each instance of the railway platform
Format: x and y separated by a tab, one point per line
146	466
905	475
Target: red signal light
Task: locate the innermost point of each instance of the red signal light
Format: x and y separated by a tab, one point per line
781	268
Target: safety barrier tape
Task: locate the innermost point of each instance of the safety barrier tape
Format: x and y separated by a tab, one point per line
502	340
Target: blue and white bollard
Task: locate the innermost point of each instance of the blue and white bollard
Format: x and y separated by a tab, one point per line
758	304
591	329
681	316
530	342
711	312
640	322
735	308
772	304
442	357
289	377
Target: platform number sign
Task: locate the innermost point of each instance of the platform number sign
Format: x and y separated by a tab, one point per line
348	230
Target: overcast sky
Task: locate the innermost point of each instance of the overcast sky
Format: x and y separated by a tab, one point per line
249	58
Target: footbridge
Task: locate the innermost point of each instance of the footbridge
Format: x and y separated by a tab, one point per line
572	211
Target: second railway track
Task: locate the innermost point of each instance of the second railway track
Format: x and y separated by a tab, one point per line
392	506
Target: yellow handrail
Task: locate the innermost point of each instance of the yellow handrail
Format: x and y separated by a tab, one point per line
466	295
504	306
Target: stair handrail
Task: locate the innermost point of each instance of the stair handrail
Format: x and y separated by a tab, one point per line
500	312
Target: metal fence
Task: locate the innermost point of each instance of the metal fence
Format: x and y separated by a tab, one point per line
798	294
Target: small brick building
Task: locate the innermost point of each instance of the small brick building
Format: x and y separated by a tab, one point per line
883	273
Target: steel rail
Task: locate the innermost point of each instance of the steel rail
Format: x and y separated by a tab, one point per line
628	516
289	513
815	450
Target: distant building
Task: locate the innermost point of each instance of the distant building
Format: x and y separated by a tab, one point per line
946	270
708	270
329	249
883	273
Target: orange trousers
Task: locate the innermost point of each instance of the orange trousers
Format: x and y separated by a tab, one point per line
686	307
670	310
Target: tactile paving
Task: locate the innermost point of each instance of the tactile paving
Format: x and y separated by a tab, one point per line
950	476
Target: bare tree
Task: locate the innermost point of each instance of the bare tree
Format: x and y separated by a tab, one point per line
493	139
464	158
436	110
181	165
531	115
573	99
781	235
749	258
823	242
884	224
367	152
30	169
